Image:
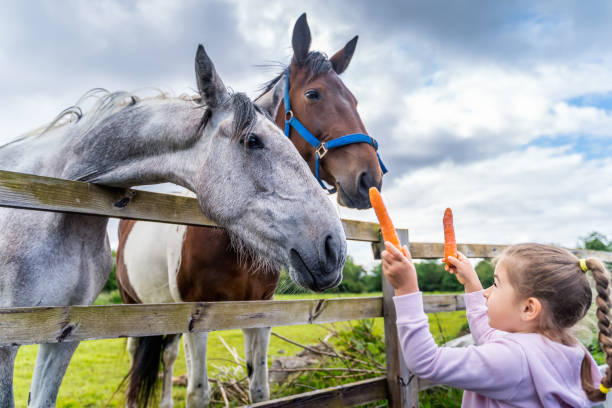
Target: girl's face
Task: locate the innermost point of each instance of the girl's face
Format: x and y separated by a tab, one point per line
504	308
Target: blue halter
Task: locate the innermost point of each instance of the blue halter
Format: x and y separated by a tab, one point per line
321	148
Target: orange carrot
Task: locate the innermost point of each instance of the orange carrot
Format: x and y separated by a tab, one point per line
450	244
386	226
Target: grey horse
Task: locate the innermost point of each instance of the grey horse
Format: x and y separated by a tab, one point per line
221	146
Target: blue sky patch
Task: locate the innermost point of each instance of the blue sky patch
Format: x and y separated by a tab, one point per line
596	100
592	147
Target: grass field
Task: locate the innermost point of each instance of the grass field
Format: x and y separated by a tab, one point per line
98	366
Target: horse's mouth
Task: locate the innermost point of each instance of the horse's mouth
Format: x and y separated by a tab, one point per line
309	280
299	264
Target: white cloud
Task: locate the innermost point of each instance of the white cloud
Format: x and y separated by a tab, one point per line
502	103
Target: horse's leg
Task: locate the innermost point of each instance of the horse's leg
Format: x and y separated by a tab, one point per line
7	363
51	363
132	346
198	391
171	349
256	352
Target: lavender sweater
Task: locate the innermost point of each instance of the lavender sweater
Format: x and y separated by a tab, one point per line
502	370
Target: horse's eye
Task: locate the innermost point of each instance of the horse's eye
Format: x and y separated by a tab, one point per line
312	94
254	142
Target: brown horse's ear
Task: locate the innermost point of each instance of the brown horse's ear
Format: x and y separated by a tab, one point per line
211	87
342	58
301	39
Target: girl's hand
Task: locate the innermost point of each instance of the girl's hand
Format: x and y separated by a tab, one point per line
398	269
463	268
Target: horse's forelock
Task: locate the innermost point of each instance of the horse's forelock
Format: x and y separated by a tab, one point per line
317	63
245	115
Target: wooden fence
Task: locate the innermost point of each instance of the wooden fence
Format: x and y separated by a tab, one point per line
30	325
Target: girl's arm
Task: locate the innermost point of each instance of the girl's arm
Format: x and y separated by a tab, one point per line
401	274
495	369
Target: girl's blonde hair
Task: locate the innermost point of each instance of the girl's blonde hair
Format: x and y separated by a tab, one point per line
554	277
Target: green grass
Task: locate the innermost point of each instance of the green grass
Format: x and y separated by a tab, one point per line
98	366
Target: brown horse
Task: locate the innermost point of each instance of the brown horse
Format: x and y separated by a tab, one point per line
168	263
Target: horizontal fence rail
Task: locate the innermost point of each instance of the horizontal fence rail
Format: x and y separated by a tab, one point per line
435	250
31	325
348	395
18	190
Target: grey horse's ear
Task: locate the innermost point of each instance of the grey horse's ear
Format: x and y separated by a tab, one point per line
301	39
270	100
210	85
342	58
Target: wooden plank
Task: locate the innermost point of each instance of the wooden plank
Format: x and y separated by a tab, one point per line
361	230
585	253
348	395
27	191
49	324
402	391
443	303
435	250
18	190
56	324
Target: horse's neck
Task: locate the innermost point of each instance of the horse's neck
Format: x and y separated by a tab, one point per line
147	143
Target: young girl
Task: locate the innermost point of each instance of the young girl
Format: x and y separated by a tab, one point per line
524	355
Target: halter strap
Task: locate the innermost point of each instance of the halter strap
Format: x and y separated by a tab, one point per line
321	148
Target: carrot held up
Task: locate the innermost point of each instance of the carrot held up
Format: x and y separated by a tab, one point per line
450	243
386	226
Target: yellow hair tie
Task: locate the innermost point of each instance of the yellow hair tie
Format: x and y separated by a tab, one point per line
603	389
583	265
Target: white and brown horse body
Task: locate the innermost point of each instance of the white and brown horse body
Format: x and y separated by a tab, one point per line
225	150
161	263
167	255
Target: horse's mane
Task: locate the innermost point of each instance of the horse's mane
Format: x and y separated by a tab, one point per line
102	104
106	103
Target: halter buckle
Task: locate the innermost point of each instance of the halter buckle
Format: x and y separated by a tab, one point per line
288	115
321	150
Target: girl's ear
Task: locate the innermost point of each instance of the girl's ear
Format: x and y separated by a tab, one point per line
530	309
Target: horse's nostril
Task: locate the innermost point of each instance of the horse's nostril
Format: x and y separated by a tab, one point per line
365	182
330	249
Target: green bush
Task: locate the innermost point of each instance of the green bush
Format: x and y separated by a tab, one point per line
432	277
485	272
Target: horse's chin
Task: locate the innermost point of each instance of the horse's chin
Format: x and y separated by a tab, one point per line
351	200
256	253
303	276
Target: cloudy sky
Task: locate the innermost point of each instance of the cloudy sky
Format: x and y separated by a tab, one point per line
500	110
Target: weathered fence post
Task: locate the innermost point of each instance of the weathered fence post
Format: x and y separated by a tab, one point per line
402	386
